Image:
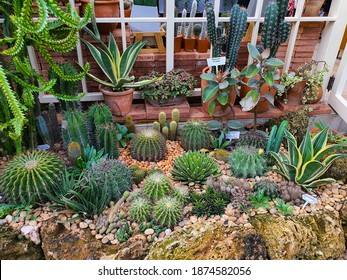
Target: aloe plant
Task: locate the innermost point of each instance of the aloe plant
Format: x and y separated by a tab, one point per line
305	164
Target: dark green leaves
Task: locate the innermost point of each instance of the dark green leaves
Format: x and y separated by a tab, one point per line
253	52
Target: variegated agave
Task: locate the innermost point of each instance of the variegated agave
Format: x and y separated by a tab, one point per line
305	164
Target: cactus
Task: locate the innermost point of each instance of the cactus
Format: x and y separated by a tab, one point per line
254	138
270	188
182	27
148	145
139	175
156	185
74	152
156	126
245	162
140	210
203	33
54	122
181	194
175	115
192	14
168	211
214	33
276	137
173	130
276	29
107	139
30	176
162	119
220	154
74	128
165	132
130	124
197	30
42	128
195	135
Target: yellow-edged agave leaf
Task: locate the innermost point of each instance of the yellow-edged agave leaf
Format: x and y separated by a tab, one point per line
327	149
319	141
140	83
306	148
310	171
99	81
295	157
109	67
318	183
114	51
282	168
129	56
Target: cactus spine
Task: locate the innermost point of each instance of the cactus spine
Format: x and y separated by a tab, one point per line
74	128
203	33
192	14
276	29
107	140
74	152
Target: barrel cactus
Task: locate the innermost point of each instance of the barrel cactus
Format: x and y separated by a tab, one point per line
107	139
140	210
181	194
148	145
30	176
270	188
168	211
246	162
156	185
195	136
254	138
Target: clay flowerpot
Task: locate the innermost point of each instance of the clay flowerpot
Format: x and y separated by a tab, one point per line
119	102
318	97
104	9
189	44
172	101
295	95
178	43
202	46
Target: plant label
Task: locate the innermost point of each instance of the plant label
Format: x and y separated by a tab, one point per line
216	61
232	135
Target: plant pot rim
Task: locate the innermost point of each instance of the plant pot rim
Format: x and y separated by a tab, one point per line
107	91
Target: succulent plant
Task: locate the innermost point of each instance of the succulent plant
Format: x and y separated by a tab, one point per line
168	211
195	135
203	33
112	173
175	115
254	138
107	139
74	128
289	192
30	176
246	162
148	145
138	174
192	14
74	152
140	210
194	167
165	132
162	119
197	29
338	169
220	154
269	186
130	125
181	194
156	185
156	126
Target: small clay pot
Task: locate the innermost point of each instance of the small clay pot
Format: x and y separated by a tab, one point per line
119	102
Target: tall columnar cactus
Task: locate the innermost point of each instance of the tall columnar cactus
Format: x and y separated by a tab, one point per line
156	126
74	152
192	14
30	176
107	139
276	29
203	33
130	125
98	114
165	132
182	27
214	33
162	119
238	24
276	137
173	130
74	128
195	135
148	145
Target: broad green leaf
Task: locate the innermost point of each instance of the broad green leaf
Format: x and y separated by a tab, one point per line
269	97
274	62
211	107
250	100
209	92
223	98
269	79
278	87
252	82
208	76
253	51
252	70
234	73
319	141
231	81
265	54
223	85
310	171
319	182
306	148
295	157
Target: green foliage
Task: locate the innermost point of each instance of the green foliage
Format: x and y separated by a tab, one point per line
305	164
123	135
167	211
148	145
107	139
30	176
209	203
156	185
270	188
195	135
246	162
254	138
6	209
124	232
181	194
74	152
138	173
194	167
276	137
260	200
220	142
74	128
140	210
284	208
176	82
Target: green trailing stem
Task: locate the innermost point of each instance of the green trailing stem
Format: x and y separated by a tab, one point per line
74	152
107	139
74	128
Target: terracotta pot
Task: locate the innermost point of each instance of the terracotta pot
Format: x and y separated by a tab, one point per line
319	96
220	110
119	102
127	13
202	46
104	9
189	44
295	95
172	101
178	43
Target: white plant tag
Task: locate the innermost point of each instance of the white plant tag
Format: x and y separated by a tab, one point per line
308	199
233	135
216	61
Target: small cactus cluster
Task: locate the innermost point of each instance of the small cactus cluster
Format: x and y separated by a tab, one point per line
254	138
195	136
269	186
138	173
247	162
156	185
168	130
74	128
30	176
74	152
148	145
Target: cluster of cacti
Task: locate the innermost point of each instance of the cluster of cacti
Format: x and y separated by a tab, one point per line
214	33
130	125
276	29
269	186
74	151
181	194
289	192
247	162
140	209
112	173
107	139
276	137
182	26
195	135
192	14
194	167
254	138
168	130
138	173
30	176
167	211
148	145
203	33
156	185
74	128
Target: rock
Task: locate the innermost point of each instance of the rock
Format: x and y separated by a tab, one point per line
83	225
318	236
343	217
3	222
9	218
105	240
13	248
193	219
209	241
168	232
32	233
149	231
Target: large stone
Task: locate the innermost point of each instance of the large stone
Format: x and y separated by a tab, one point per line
317	236
343	217
61	244
14	248
209	241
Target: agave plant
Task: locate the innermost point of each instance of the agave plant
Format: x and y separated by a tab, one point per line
305	164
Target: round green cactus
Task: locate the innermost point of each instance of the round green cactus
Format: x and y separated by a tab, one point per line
254	138
156	185
168	211
195	136
140	210
246	162
30	176
181	194
270	188
148	145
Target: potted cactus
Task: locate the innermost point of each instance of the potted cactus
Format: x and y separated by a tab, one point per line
202	43
189	41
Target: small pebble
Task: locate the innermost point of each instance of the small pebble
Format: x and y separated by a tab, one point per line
149	231
83	225
104	240
98	236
